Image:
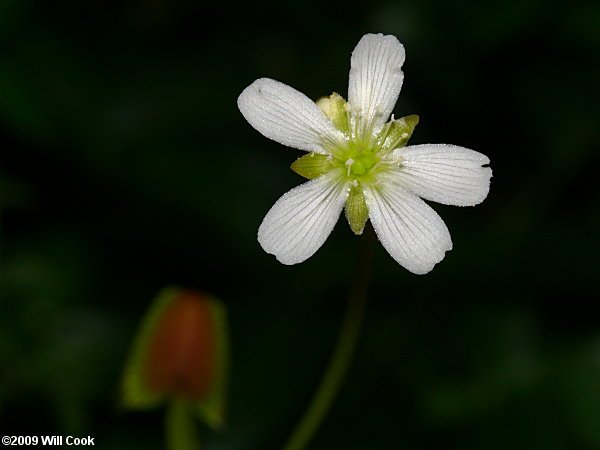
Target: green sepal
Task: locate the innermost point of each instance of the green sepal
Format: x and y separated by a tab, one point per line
212	408
135	394
312	165
399	132
334	107
356	209
180	429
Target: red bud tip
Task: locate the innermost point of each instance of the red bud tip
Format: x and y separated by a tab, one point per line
181	352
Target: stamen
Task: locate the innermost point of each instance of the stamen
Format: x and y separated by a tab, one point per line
355	183
368	131
383	135
358	121
349	164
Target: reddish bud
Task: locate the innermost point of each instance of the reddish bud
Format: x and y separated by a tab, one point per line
180	353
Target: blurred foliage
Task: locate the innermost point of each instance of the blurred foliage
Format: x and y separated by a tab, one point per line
126	166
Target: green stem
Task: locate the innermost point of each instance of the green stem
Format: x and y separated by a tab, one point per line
342	355
180	427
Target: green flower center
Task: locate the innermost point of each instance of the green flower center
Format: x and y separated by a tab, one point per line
361	158
357	161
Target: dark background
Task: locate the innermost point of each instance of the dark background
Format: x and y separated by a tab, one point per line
126	167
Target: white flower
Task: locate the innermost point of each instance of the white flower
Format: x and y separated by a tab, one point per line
359	161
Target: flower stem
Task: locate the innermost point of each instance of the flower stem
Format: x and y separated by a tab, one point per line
180	428
342	355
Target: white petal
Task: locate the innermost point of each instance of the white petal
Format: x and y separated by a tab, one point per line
287	116
444	173
412	233
302	219
376	76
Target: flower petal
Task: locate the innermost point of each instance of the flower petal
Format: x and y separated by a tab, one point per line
287	116
302	219
444	173
412	233
376	76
